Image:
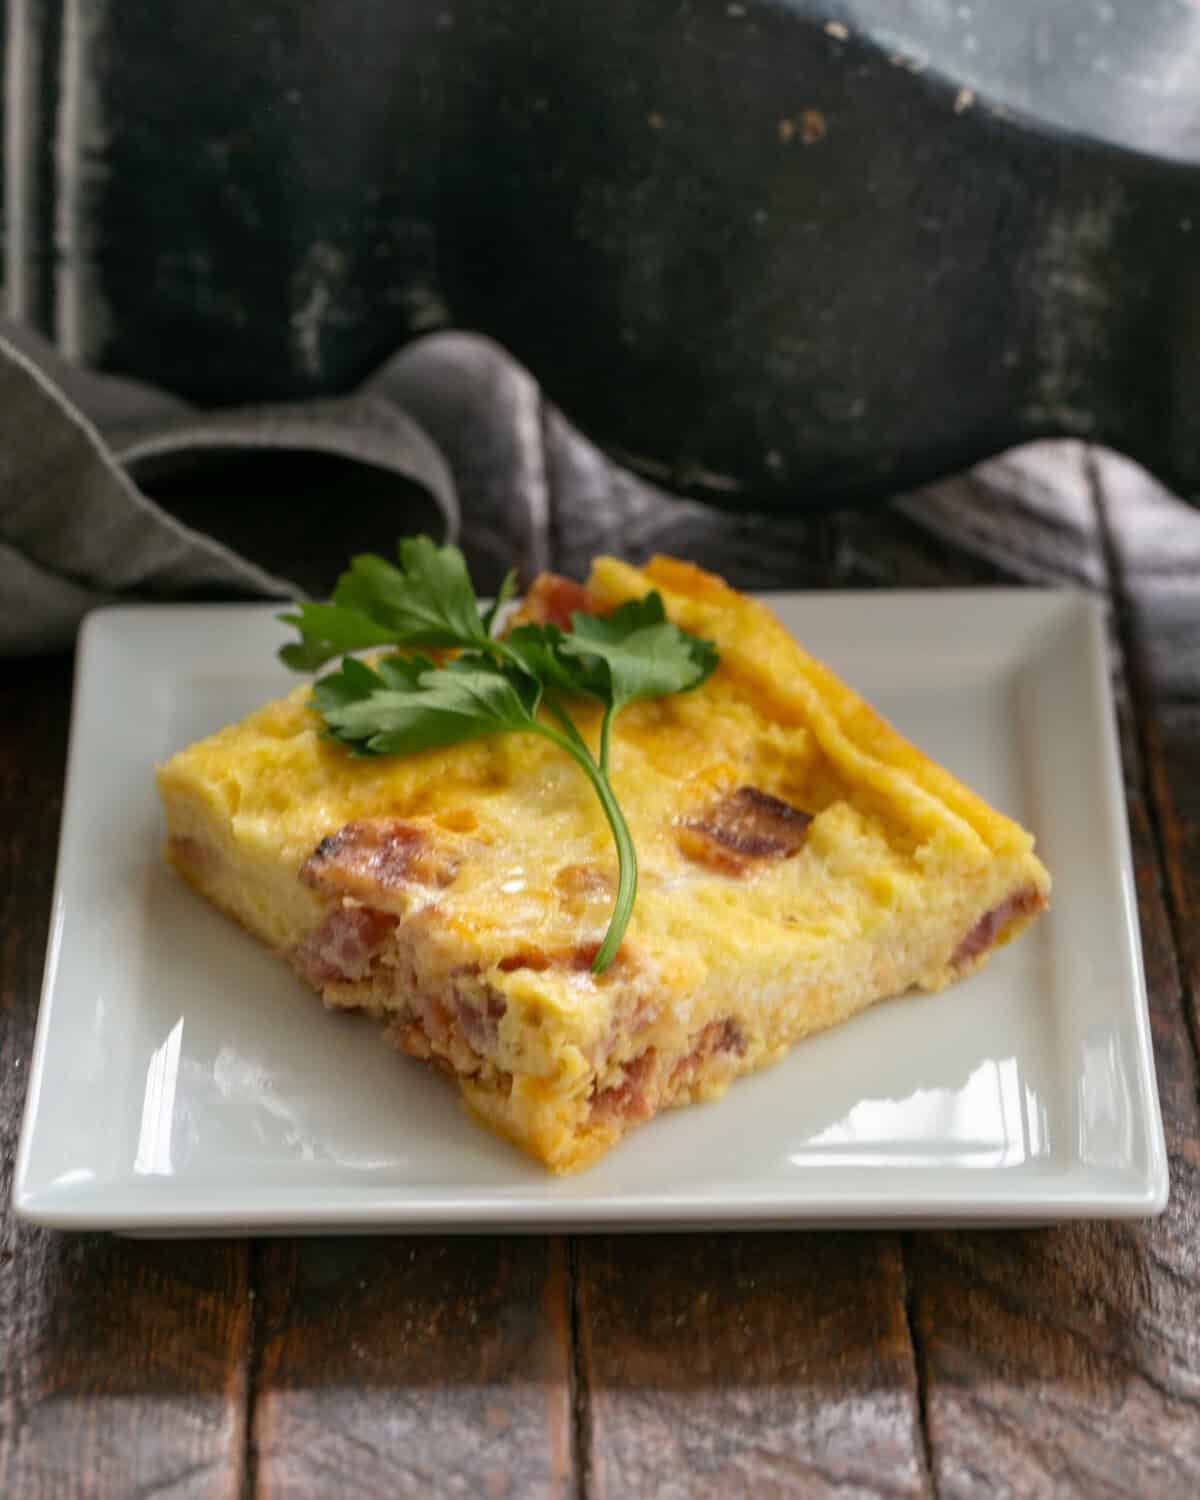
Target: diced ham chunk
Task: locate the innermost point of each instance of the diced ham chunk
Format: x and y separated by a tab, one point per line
344	946
480	1022
742	827
457	1031
645	1084
632	1099
991	925
365	855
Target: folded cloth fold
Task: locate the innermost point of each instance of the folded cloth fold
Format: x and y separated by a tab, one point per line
100	477
78	530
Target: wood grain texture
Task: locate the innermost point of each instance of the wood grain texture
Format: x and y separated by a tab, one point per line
123	1366
418	1367
1156	545
1067	1362
746	1364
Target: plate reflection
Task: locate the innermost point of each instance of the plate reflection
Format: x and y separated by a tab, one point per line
153	1157
994	1119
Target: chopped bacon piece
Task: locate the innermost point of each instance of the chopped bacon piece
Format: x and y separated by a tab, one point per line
550	600
344	946
743	826
362	856
529	957
1024	902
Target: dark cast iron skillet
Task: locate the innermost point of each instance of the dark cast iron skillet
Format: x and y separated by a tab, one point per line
771	252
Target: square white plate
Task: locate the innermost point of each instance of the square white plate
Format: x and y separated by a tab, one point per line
183	1081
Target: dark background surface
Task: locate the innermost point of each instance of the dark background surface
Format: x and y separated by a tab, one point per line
775	252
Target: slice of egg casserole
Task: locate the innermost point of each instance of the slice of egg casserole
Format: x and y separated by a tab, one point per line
799	860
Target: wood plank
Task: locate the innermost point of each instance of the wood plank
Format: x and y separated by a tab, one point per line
413	1366
1067	1361
124	1363
1173	742
1156	542
747	1364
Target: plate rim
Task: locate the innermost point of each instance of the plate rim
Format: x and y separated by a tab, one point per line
1040	1198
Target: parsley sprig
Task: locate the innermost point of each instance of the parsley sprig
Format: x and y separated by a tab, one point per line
522	682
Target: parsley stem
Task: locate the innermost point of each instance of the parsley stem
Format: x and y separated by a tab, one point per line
505	652
627	873
567	723
610	713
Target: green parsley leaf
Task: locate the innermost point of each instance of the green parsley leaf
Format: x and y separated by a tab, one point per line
403	704
427	601
538	649
328	630
646	656
353	684
508	587
643	655
408	710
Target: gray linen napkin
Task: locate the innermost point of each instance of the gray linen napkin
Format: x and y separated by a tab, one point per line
473	447
77	531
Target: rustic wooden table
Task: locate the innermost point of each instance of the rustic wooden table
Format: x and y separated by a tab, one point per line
1053	1362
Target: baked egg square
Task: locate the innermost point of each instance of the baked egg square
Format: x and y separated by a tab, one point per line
798	860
